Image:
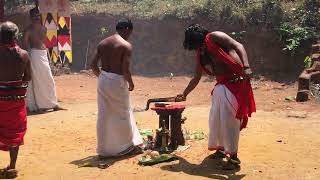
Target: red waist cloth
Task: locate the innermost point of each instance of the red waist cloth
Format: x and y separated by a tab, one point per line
13	118
241	90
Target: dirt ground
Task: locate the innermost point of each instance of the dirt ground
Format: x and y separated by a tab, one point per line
281	141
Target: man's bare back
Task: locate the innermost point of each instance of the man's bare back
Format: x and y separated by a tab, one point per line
14	64
112	51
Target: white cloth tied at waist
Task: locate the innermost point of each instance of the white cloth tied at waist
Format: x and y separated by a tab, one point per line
41	93
117	131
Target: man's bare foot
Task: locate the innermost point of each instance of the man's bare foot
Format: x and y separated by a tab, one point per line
58	108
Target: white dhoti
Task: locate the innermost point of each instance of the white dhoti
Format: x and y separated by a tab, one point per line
41	93
117	132
223	126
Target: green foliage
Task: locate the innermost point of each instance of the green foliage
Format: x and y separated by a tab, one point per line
294	35
268	13
309	13
307	62
238	35
104	31
272	13
296	21
303	26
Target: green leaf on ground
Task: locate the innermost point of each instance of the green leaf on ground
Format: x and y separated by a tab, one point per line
198	135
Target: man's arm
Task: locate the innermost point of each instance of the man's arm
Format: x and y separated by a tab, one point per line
126	68
27	70
226	41
192	84
95	61
26	41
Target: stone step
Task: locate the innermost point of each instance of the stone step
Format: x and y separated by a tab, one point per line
315	77
315	57
315	48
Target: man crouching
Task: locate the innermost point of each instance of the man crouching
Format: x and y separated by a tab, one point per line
117	133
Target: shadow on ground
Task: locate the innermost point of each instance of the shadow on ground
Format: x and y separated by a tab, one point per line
96	162
209	168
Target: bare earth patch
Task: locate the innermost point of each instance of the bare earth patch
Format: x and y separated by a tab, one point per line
276	144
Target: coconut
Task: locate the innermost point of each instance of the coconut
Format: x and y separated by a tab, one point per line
148	152
154	154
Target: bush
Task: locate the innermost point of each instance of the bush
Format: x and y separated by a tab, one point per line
269	14
294	35
302	27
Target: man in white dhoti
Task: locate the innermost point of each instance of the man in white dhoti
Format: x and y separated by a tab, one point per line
41	94
232	101
117	133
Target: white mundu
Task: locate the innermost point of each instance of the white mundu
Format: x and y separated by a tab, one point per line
117	132
41	93
223	125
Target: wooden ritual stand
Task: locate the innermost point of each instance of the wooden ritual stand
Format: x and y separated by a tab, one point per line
169	122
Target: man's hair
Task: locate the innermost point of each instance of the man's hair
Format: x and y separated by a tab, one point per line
8	32
195	35
124	24
34	12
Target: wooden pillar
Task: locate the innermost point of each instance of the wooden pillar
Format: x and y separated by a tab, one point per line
176	130
164	124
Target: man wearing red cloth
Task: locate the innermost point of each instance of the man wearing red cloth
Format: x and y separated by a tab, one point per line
232	99
15	71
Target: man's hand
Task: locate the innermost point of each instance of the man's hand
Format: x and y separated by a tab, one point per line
131	86
180	98
96	72
248	73
94	64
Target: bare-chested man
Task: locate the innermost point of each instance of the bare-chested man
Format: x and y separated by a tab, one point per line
14	73
116	128
232	102
42	90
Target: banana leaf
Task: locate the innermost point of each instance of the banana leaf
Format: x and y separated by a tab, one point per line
160	159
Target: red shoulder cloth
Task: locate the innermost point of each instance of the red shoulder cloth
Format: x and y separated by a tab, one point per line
10	45
241	90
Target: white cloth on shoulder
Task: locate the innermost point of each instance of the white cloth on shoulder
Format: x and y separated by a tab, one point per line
224	128
41	93
117	132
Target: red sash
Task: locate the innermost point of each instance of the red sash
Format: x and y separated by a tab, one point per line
241	90
10	45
